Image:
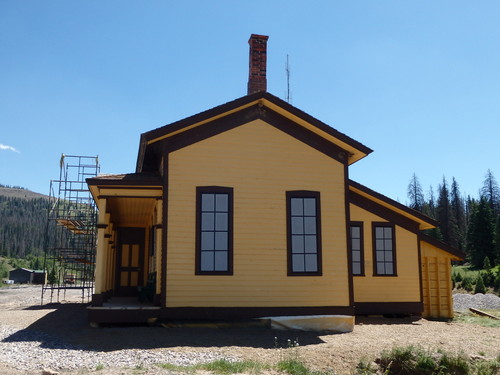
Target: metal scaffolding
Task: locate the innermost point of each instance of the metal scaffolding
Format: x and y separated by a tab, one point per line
70	241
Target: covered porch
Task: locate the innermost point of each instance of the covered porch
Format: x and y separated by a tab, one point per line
128	258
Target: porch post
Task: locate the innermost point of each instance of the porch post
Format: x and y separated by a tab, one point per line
100	264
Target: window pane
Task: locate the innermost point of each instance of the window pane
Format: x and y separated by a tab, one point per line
220	221
379	244
297	225
220	261
297	244
388	256
356	268
310	225
380	269
311	263
207	261
297	263
310	206
355	232
221	203
221	241
207	221
389	270
380	256
388	244
310	244
355	244
296	207
207	240
388	232
356	256
207	202
379	232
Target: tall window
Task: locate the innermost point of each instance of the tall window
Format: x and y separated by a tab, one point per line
384	249
214	237
304	233
357	256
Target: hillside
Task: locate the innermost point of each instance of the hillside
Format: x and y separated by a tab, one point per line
14	192
23	219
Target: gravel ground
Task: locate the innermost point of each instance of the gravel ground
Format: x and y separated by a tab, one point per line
462	301
58	337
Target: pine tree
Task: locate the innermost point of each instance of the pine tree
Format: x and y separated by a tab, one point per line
415	194
491	191
480	234
430	206
443	211
457	217
479	288
496	258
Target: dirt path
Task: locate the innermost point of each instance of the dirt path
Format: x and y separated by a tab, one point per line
19	309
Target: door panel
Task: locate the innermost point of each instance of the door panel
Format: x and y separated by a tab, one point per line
129	261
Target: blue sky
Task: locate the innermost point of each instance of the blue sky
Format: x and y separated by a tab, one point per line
418	82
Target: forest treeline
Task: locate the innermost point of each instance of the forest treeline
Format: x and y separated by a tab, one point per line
470	224
22	226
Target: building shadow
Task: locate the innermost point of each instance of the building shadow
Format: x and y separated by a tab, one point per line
66	327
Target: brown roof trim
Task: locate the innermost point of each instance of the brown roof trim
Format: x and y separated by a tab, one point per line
394	203
229	106
134	179
390	215
441	245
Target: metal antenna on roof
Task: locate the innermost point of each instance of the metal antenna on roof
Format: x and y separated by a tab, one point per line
287	69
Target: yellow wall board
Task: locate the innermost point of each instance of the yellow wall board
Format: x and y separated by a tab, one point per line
260	163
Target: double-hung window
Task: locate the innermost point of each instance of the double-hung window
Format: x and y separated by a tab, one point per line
357	256
384	249
304	233
214	231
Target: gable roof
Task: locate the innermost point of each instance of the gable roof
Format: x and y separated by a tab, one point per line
361	195
443	246
354	149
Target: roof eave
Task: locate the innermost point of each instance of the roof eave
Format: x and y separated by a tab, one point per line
424	221
355	149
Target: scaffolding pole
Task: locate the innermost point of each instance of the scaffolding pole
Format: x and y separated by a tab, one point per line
70	236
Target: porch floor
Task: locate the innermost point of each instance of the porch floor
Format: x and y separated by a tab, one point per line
126	303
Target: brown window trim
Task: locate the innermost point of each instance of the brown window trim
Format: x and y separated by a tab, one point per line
359	224
214	190
303	194
376	224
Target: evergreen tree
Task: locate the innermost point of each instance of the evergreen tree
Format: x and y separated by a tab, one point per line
480	234
443	211
479	288
457	217
496	258
415	194
430	206
491	192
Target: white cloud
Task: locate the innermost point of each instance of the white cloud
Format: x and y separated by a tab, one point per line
6	147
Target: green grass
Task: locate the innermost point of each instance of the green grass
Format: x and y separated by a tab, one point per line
99	367
295	367
220	366
408	360
415	360
482	321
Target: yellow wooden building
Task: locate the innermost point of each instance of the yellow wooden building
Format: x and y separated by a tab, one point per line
247	210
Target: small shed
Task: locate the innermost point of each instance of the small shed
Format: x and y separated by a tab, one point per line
39	277
21	276
436	258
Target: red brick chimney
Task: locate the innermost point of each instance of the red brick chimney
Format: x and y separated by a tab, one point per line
257	80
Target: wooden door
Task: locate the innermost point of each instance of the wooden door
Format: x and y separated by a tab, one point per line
129	261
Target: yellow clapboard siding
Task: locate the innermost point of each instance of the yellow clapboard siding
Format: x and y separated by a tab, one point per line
436	271
405	287
260	163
